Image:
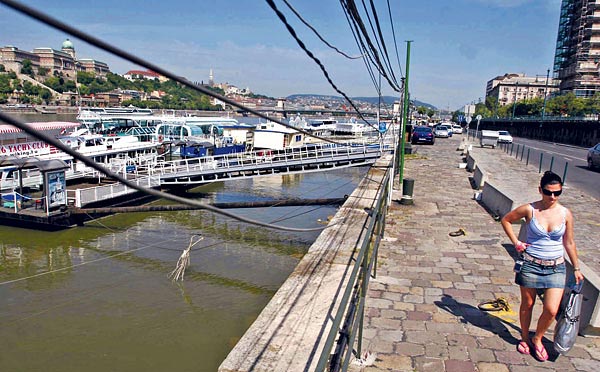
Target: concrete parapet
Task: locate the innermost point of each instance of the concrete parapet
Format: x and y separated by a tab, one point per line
495	200
290	333
470	162
479	177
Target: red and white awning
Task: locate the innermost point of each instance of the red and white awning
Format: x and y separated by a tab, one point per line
48	125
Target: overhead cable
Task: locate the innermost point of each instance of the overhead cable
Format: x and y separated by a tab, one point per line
366	56
394	36
317	33
385	52
314	58
356	19
42	17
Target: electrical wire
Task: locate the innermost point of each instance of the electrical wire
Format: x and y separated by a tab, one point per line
317	33
385	52
394	36
366	56
314	58
44	18
139	61
350	7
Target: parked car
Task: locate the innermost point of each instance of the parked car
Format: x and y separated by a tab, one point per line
457	129
422	134
441	131
593	157
504	137
448	128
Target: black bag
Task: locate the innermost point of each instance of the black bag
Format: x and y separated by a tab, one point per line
567	325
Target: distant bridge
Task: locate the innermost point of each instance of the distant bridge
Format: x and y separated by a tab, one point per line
314	112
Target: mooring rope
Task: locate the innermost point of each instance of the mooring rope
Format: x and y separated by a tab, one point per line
184	260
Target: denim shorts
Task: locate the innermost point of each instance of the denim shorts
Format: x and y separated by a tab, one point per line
534	275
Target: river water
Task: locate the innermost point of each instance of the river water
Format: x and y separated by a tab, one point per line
98	297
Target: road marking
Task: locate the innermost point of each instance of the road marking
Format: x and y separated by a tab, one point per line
556	153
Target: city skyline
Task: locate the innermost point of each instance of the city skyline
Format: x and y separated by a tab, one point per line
457	48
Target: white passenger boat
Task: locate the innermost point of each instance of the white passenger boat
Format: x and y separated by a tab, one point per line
91	115
201	136
353	128
274	136
127	150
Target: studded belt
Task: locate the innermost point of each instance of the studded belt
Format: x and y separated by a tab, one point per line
539	261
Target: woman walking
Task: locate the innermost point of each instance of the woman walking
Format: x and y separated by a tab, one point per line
541	265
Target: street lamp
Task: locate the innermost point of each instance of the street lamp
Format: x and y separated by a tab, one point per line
515	102
545	94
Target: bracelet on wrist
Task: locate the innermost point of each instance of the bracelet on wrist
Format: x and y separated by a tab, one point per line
576	269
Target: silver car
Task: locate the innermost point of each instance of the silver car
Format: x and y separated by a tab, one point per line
593	157
441	131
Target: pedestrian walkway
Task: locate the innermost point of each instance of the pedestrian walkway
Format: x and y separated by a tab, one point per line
422	308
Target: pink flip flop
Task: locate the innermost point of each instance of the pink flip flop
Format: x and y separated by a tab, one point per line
540	353
523	348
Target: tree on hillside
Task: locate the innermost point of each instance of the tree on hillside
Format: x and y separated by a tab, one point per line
85	78
27	68
2	68
30	89
5	84
45	95
43	71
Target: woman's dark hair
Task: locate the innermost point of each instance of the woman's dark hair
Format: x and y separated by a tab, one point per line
550	178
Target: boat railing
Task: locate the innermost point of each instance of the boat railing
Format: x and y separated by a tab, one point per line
18	202
238	161
81	197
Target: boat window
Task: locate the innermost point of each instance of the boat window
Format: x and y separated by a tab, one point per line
195	131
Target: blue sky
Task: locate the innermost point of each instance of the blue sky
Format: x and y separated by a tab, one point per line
458	45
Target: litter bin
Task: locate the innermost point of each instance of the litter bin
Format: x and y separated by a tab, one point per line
408	185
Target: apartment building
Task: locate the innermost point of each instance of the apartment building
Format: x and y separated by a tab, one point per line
510	88
577	57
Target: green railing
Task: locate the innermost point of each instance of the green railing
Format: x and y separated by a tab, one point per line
351	307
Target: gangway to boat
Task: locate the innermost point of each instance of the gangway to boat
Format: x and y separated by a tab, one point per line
312	158
202	170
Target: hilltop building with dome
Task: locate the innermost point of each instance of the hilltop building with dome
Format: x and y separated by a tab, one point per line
61	62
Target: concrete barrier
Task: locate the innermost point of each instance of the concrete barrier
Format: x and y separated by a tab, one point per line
479	177
470	162
495	200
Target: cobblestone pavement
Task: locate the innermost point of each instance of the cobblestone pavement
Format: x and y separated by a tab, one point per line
421	311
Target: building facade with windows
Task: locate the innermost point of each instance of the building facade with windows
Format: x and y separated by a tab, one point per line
58	62
510	88
577	56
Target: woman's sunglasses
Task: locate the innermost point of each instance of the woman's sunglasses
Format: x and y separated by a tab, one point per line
555	193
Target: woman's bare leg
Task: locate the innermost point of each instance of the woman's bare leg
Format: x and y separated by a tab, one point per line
526	310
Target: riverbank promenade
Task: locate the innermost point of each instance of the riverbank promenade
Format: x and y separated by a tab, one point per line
422	308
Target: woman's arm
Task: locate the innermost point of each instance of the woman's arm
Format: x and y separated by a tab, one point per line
570	247
513	216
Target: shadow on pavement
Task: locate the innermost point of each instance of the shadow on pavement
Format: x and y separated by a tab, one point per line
469	314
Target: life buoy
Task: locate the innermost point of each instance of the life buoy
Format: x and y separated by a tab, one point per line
160	138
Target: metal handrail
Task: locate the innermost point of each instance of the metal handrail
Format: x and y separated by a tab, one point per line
356	286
